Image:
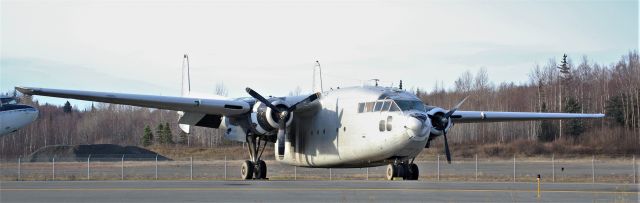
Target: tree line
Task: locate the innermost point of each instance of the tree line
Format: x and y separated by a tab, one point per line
103	124
557	86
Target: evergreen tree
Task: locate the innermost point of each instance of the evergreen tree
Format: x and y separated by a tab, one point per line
67	107
167	135
575	127
565	69
565	78
547	130
159	132
615	110
147	137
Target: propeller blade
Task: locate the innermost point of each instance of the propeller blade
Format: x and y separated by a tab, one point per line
259	97
309	99
446	148
455	108
281	133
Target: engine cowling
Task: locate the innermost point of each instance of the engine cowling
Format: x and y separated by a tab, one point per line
437	126
265	121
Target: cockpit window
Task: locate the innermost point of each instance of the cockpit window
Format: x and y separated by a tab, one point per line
406	105
390	105
394	107
378	106
368	107
385	106
7	100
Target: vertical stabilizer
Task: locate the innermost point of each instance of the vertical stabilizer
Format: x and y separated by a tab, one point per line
185	90
317	78
186	78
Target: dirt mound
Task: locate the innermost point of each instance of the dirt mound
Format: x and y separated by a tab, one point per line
99	152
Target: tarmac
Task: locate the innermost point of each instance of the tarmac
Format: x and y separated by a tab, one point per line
311	191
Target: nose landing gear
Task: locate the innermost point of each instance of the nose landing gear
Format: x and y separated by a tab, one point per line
407	171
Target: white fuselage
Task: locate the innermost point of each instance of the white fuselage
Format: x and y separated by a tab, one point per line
338	135
14	117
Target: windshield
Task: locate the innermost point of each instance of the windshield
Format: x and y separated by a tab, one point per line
406	105
7	100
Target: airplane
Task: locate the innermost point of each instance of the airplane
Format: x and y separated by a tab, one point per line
14	116
354	127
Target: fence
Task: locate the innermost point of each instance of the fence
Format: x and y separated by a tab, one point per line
135	167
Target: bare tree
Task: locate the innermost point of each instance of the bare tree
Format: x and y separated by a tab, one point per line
296	92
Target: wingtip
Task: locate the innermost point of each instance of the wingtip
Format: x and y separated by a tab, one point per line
24	90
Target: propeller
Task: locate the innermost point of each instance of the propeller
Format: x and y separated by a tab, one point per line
282	113
442	124
293	107
260	98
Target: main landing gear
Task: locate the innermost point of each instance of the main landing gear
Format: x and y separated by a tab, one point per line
255	168
408	171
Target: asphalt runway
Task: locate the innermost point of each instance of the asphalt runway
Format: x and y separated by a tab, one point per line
309	191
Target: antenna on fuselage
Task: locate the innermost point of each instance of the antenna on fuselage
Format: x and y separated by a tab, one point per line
376	80
400	84
313	86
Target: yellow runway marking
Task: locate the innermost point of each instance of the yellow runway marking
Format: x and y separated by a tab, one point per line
314	189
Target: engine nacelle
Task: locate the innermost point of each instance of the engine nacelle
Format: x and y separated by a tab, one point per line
265	121
437	129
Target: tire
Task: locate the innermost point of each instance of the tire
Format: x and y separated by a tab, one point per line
391	172
403	171
246	171
414	172
261	170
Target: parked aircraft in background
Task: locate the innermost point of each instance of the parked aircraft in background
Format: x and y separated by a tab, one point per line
362	126
14	116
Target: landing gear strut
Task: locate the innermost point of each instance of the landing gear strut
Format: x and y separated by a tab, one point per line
255	168
408	171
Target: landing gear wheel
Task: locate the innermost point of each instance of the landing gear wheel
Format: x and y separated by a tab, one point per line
247	170
255	167
403	171
391	171
261	170
413	172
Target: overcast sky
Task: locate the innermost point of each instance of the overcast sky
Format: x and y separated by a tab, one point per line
137	46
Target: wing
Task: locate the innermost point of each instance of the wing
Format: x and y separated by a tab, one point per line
186	104
494	116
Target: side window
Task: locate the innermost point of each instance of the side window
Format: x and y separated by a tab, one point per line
389	119
360	107
378	106
381	126
368	107
385	106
